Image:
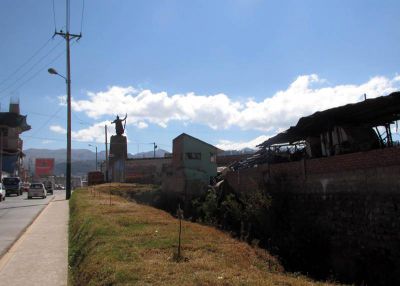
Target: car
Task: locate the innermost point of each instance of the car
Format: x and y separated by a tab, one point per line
37	190
12	185
49	186
2	193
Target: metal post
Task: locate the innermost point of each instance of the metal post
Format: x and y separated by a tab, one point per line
96	158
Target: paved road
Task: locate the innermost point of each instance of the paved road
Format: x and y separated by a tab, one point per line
17	213
34	259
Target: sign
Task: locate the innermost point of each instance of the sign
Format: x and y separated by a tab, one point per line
44	167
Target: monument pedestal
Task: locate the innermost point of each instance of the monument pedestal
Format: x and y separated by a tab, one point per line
117	157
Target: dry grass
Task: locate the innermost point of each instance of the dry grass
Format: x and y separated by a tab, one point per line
131	244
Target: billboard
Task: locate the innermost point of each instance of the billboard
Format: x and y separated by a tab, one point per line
44	167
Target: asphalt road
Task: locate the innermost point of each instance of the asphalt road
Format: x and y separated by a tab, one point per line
16	214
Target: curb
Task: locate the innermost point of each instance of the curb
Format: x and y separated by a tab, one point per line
4	256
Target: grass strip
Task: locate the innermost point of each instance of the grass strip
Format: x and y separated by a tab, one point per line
126	243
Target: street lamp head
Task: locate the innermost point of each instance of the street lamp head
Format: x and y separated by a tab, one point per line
52	71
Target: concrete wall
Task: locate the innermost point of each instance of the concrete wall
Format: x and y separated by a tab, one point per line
202	168
336	216
146	170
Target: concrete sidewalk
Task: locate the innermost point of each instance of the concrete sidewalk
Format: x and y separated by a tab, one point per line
40	255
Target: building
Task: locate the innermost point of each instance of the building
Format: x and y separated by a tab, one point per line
146	170
12	124
193	165
357	127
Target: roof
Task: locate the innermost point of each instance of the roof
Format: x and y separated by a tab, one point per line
14	120
194	138
368	113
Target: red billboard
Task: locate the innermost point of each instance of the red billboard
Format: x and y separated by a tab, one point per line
44	167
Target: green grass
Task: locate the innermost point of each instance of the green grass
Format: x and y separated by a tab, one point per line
130	244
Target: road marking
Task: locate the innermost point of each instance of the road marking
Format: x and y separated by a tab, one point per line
13	248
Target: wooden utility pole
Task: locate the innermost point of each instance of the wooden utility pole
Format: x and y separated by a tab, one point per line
1	154
67	36
105	132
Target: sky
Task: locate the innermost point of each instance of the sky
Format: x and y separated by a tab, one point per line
229	72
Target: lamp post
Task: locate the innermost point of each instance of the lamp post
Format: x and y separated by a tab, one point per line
96	153
68	171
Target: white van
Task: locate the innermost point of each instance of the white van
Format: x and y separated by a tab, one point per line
37	190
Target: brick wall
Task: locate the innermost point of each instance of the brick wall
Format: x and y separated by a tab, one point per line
145	170
334	217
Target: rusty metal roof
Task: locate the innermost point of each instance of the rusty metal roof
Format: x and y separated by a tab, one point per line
368	113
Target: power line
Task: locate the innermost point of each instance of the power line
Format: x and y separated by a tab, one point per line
31	68
54	17
47	121
81	121
83	10
42	114
37	73
26	62
34	75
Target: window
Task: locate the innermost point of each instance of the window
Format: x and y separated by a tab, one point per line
193	156
213	158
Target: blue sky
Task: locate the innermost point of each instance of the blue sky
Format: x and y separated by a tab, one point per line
229	72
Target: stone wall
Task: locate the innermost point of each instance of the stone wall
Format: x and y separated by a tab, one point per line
333	217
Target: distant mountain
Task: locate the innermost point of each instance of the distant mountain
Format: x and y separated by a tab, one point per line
60	155
149	154
238	152
83	160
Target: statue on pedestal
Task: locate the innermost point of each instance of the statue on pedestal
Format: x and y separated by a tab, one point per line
119	129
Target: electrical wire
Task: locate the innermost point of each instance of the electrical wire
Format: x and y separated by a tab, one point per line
68	15
54	17
31	68
26	62
83	9
82	122
42	114
48	120
38	72
34	75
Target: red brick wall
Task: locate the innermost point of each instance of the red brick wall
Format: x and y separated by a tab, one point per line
381	161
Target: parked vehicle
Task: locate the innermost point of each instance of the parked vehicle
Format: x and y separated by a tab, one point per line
2	193
49	186
95	178
37	190
12	185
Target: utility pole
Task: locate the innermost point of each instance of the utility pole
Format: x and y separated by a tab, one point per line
67	36
1	154
105	132
96	153
154	149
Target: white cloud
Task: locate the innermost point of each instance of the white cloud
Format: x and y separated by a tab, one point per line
47	141
58	129
305	95
232	145
94	133
142	125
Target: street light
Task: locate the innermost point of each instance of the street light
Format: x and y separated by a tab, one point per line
53	71
96	153
68	171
